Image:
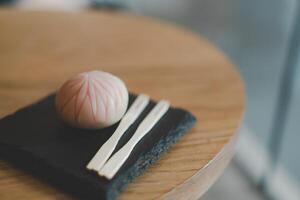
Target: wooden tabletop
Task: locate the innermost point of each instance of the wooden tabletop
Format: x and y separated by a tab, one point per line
40	50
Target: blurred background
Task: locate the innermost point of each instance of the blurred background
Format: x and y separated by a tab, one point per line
262	37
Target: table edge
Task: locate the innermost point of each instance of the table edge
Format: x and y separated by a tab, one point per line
195	186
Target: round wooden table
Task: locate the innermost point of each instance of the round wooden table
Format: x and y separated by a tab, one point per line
39	50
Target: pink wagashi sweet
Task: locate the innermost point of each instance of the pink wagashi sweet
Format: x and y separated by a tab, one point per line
92	100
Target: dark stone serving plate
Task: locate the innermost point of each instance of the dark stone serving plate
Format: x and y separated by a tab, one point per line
34	139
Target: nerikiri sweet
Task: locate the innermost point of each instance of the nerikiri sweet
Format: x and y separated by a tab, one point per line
92	100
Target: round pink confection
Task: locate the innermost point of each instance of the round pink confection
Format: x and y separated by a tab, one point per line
92	100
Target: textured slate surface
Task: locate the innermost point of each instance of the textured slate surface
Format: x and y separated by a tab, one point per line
37	141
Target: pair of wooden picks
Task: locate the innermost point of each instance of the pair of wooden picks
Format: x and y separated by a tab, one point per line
98	99
109	167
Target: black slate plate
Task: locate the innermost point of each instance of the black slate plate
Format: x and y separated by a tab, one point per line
36	140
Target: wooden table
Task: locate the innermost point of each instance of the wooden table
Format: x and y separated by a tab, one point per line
39	50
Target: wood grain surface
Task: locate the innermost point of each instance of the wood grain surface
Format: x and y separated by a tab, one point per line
40	50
